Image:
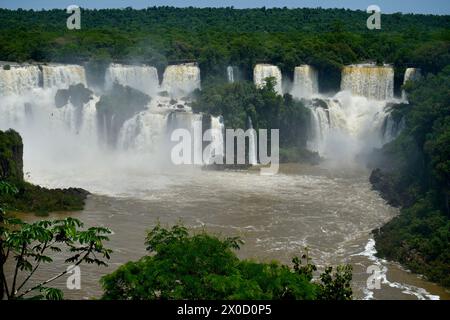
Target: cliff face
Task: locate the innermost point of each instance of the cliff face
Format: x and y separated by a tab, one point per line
31	198
11	156
390	188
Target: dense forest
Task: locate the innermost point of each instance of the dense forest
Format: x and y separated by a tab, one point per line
218	37
414	172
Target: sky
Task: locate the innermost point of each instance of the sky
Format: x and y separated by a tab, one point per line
387	6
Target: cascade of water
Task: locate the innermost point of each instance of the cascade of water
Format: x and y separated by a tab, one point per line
252	147
411	74
145	132
142	78
62	76
346	125
66	136
217	144
372	82
181	80
346	122
391	128
230	74
81	122
306	82
18	79
263	71
319	129
193	123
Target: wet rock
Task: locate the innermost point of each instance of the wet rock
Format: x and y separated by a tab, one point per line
386	185
78	95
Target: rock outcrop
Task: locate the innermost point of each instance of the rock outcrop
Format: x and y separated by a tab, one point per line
31	198
11	156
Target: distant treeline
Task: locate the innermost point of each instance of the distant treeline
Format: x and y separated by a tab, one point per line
217	37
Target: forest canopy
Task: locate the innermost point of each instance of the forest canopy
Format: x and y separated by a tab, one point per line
216	37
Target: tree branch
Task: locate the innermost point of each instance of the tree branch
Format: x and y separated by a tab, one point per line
58	275
32	271
16	270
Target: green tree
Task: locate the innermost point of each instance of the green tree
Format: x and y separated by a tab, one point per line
202	266
27	246
416	169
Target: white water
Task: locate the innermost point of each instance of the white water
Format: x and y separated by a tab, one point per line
143	78
372	82
84	127
392	128
263	71
62	76
381	276
320	127
411	74
348	126
230	74
144	133
181	80
19	79
252	147
217	151
306	82
355	120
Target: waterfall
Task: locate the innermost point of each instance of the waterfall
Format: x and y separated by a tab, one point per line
80	122
353	121
18	79
231	74
319	130
181	80
370	81
142	78
63	134
37	108
145	132
62	76
193	123
411	74
391	128
55	138
346	125
217	144
263	71
306	82
252	147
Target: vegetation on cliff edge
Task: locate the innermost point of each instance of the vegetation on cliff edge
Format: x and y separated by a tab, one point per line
414	172
29	197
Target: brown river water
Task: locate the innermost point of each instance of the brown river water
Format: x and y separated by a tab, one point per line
332	212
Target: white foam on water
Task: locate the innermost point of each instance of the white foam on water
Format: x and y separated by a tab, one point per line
370	253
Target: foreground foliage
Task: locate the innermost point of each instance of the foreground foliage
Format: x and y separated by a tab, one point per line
202	266
27	246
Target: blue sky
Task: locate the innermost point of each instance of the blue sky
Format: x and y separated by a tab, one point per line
387	6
